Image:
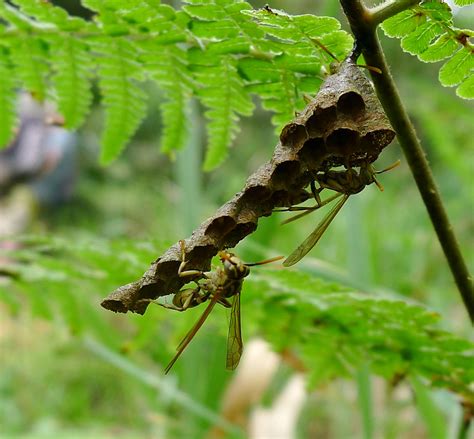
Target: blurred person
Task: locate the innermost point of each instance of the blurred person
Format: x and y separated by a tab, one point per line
37	169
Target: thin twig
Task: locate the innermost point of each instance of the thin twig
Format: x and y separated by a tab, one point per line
388	9
361	22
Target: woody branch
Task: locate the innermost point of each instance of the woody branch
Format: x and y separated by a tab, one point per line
363	22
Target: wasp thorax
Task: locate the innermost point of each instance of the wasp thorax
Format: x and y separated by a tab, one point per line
233	266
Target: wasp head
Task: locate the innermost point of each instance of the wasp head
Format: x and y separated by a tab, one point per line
233	266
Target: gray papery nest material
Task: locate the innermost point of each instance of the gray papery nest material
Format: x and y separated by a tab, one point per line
343	125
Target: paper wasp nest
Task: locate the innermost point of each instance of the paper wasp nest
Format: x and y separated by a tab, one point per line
343	125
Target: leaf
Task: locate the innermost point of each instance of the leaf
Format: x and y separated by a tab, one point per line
442	48
429	21
294	28
168	67
73	65
466	89
260	70
74	272
437	11
8	119
419	40
124	101
335	331
463	2
60	55
225	102
458	67
402	24
29	57
46	12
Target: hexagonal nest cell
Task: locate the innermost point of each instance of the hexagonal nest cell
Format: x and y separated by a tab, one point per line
344	125
347	114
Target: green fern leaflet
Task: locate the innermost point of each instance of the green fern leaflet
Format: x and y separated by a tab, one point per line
221	52
427	31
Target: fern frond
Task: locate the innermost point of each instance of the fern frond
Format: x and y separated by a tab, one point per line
427	31
336	331
226	98
167	65
188	44
124	100
29	57
14	18
73	68
46	13
281	90
8	117
297	44
149	16
302	33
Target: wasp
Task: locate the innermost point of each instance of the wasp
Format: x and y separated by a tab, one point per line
346	183
217	286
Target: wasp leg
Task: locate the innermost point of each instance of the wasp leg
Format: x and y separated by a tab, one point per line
393	165
224	302
181	271
316	191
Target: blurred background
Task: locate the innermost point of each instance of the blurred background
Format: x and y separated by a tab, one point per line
73	369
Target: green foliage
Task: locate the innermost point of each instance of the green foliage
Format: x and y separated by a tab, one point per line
225	104
7	99
124	100
222	52
427	31
62	269
336	331
170	73
332	329
29	59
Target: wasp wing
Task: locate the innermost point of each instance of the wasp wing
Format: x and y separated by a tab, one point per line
234	338
192	332
308	210
313	239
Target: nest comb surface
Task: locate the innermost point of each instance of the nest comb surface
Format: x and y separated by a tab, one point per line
278	183
343	125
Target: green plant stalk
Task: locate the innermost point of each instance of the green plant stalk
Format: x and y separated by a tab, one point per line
364	397
163	385
363	26
390	8
464	428
188	173
431	415
359	268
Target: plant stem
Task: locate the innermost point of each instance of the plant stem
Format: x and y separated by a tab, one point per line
388	9
464	428
164	386
364	396
364	29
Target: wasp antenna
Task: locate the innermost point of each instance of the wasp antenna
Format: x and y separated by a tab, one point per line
379	185
371	68
307	98
266	261
389	168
